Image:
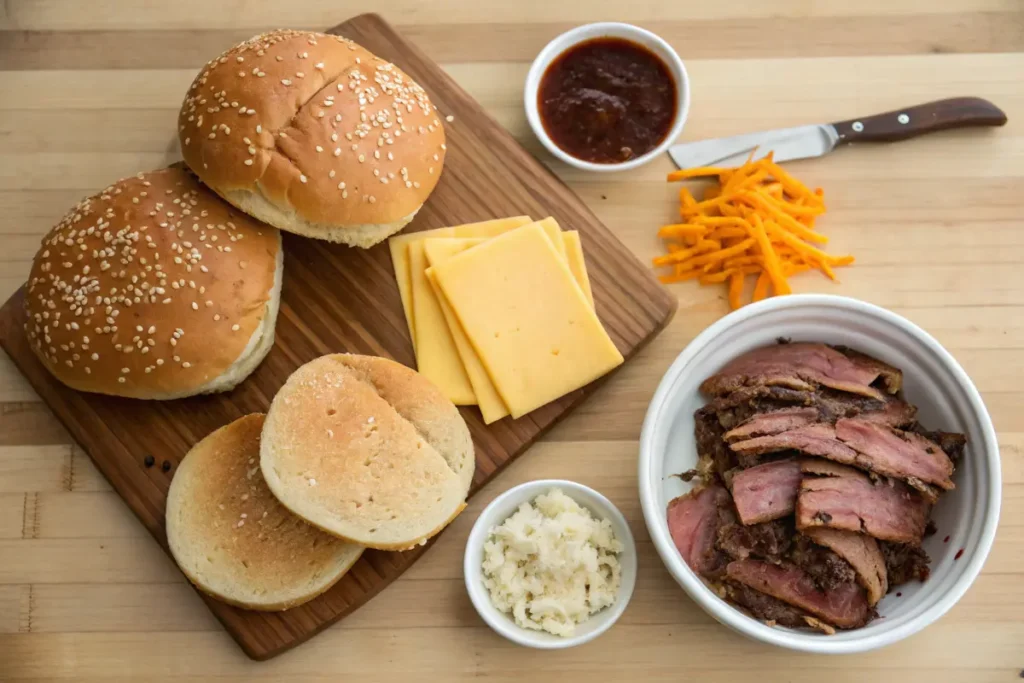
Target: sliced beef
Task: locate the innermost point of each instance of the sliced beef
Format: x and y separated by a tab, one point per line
804	367
841	497
772	422
769	540
746	402
845	606
892	377
861	553
767	491
867	445
896	453
951	443
765	607
693	522
904	562
828	569
815	439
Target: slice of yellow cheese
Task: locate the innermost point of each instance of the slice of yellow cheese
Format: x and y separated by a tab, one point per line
399	246
487	398
527	318
439	250
578	266
437	358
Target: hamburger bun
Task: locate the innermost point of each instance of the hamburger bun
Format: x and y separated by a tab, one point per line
154	288
231	537
368	450
315	135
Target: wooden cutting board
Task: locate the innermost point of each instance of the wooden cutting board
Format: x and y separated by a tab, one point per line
338	299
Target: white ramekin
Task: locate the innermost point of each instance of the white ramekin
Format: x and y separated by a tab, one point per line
933	381
607	30
500	509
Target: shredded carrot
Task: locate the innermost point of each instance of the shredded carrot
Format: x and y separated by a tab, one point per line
735	289
697	172
757	219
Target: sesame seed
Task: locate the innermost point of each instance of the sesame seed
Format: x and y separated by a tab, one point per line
318	65
373	200
120	380
300	74
319	149
195	306
186	365
337	151
449	118
234	328
259	128
285	81
302	178
248	162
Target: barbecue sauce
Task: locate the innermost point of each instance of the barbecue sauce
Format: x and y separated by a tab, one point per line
607	100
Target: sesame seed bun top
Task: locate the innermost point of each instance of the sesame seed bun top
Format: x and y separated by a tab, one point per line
314	134
154	288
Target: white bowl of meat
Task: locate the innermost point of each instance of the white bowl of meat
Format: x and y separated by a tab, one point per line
820	474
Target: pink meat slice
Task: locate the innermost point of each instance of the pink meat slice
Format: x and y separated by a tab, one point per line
845	607
865	444
803	366
896	453
772	422
863	554
841	497
693	523
767	491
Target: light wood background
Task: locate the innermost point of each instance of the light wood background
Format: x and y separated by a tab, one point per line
90	92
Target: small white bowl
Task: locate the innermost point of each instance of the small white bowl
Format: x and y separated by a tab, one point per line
500	509
607	30
933	381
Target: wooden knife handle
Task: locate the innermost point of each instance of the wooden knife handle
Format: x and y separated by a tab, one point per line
957	112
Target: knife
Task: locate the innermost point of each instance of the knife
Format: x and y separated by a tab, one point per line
815	140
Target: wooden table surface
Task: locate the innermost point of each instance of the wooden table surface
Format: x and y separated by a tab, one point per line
90	94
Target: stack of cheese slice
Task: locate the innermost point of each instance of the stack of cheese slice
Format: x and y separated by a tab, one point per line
501	313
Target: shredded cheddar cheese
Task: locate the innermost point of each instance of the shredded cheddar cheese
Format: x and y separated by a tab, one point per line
757	221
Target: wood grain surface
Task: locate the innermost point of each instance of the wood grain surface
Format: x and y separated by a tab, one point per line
935	223
338	299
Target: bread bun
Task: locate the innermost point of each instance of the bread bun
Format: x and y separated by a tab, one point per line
231	537
315	135
368	450
154	288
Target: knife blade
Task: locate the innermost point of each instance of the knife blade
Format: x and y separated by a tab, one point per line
815	140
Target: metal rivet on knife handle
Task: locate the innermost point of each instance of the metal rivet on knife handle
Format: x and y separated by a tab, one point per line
903	118
857	126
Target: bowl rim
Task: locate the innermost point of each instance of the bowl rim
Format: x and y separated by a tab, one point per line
657	527
562	42
502	624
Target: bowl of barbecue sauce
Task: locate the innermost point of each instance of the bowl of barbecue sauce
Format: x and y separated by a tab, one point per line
607	96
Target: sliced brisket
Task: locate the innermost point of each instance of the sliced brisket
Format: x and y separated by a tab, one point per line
844	606
772	422
765	607
766	492
693	523
904	563
897	453
869	446
804	366
714	456
746	402
861	553
828	569
841	497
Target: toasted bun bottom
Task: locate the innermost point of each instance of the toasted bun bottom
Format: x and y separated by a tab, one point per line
363	236
232	538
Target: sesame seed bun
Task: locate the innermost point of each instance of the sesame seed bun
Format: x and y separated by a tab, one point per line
368	450
315	135
154	288
231	537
